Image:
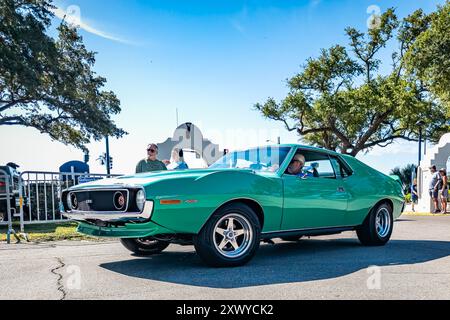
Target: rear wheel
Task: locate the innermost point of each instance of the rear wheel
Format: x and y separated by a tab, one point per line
144	246
377	228
230	238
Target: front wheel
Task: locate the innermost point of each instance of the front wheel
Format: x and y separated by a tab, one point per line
377	228
230	238
144	246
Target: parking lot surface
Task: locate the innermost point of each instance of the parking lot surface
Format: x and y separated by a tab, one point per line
414	265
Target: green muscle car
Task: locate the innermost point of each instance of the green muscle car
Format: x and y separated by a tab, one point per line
225	211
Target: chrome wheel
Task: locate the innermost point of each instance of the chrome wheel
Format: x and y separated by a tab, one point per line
233	235
383	222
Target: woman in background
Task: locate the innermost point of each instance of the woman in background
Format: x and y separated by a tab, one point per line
177	160
444	190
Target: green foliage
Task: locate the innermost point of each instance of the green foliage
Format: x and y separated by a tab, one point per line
47	83
341	101
405	175
428	58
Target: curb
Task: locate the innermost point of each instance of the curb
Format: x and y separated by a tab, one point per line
425	214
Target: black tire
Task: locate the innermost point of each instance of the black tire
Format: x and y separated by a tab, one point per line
292	238
207	243
144	246
369	234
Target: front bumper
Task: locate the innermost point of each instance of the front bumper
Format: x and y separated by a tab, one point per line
130	230
110	216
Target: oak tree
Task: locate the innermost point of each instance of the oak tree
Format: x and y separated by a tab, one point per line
48	83
342	101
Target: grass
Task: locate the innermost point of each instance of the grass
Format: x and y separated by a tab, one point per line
49	232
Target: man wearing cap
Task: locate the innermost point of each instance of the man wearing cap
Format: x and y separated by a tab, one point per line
435	184
296	166
151	163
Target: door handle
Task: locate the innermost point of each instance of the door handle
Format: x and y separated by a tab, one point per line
341	189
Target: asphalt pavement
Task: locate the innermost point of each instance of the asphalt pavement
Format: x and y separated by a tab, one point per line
414	265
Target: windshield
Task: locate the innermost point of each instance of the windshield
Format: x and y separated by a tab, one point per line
259	159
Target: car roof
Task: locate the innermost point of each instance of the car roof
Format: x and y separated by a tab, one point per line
293	145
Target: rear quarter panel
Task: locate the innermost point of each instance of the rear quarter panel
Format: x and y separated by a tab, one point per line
200	197
366	188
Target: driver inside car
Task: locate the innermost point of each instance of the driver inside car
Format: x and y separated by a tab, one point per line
296	166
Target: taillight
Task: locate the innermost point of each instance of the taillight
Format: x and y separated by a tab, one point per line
2	184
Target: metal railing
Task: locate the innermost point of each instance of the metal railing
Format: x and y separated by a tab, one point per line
39	194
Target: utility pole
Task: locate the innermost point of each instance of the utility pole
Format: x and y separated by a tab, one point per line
425	143
108	167
420	124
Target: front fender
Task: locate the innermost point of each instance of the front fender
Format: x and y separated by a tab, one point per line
200	197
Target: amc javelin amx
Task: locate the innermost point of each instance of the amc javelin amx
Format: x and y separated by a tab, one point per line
246	197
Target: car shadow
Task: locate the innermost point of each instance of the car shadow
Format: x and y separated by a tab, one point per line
285	262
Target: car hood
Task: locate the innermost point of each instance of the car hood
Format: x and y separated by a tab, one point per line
152	177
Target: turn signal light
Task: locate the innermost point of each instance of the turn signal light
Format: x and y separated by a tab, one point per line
169	201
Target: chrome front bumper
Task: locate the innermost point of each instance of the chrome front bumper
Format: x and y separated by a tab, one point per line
109	216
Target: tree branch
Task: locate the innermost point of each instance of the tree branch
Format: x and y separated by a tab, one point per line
10	104
313	130
392	137
378	120
12	121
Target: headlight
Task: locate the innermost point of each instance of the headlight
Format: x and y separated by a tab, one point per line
72	201
69	202
119	201
140	199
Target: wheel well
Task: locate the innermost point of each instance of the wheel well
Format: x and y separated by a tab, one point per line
387	201
255	206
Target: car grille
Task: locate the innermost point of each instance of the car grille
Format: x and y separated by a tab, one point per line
101	200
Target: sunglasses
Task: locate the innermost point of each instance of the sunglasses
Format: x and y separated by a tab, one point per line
151	150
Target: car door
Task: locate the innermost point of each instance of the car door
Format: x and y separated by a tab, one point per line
317	200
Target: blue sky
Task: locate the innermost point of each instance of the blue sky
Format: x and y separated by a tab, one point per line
213	60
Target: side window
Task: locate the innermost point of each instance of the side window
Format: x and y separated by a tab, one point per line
315	164
340	168
320	168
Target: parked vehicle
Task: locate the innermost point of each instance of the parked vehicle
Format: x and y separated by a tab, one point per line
244	198
13	177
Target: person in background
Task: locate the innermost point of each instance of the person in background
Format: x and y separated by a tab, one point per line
151	163
443	192
178	162
435	185
414	194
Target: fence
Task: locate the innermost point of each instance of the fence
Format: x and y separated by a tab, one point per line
39	194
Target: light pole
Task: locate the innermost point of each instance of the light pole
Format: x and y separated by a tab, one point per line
420	124
108	167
